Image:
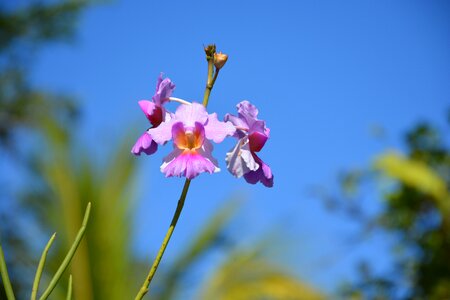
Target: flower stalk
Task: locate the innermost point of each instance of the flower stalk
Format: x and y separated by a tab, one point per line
145	286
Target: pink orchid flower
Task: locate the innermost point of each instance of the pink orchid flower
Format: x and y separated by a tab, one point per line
252	135
155	112
191	128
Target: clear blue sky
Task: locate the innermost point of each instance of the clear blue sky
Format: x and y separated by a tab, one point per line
322	74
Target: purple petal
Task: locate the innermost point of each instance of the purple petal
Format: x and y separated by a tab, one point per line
216	130
164	89
236	121
144	144
263	174
189	114
247	112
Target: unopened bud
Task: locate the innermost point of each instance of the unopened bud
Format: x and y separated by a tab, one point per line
219	60
210	50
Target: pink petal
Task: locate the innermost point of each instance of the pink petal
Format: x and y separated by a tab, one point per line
186	163
153	112
216	130
169	168
147	107
144	144
162	133
189	114
206	151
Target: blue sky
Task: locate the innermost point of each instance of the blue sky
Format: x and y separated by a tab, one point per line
322	74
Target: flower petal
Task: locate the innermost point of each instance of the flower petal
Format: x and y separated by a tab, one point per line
186	163
206	151
240	160
144	144
163	132
236	121
189	114
179	136
257	141
164	89
216	130
154	113
262	174
247	112
147	107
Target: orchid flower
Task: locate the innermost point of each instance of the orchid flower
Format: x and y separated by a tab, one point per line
191	128
252	135
155	112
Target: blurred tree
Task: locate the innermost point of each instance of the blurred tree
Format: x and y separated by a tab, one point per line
23	30
25	111
415	211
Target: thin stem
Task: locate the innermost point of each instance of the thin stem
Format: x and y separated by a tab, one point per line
69	288
69	255
179	100
216	73
40	268
210	81
5	276
144	288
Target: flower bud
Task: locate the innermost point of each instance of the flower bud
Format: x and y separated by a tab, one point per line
210	50
219	60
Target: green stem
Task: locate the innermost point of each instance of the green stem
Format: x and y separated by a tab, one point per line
69	289
5	277
144	288
40	268
210	81
69	255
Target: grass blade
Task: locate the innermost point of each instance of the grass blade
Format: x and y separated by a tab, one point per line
69	289
5	277
69	255
40	268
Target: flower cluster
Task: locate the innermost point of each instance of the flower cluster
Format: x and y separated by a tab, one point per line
192	129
